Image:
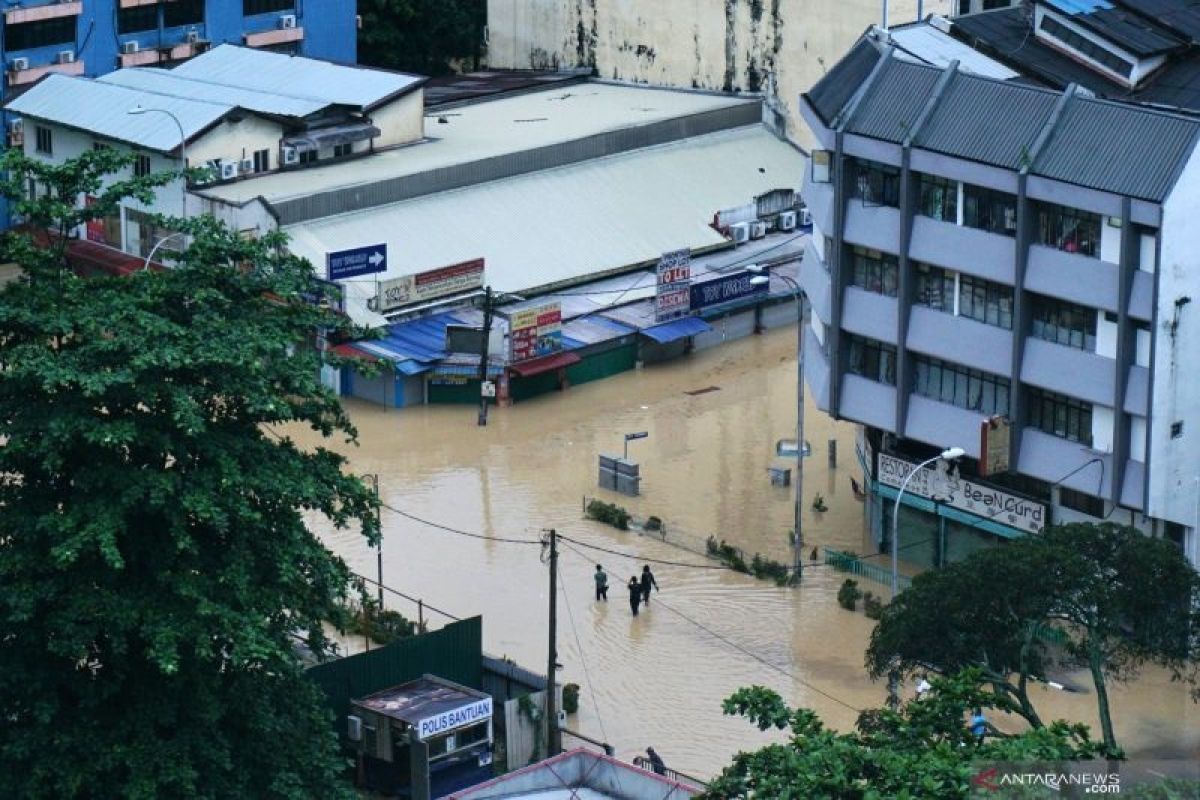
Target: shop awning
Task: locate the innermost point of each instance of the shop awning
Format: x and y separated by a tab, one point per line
334	135
536	366
676	329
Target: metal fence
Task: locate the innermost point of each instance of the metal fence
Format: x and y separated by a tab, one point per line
849	562
667	772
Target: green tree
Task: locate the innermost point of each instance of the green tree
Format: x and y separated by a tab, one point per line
155	563
422	36
923	750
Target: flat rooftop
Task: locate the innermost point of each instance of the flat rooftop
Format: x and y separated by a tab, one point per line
486	129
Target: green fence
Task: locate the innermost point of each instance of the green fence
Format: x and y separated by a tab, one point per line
848	562
455	653
602	365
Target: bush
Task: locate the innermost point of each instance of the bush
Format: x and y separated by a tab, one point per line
769	569
609	514
382	626
570	698
848	595
872	606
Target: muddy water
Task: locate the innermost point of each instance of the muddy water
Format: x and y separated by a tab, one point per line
658	679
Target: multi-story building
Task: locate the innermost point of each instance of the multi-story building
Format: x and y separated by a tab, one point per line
984	251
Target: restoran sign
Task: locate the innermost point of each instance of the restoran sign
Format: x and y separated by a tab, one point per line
963	494
455	718
428	285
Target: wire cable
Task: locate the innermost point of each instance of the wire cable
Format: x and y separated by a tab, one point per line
582	658
448	529
399	593
643	558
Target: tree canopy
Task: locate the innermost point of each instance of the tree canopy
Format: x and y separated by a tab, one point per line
422	36
155	561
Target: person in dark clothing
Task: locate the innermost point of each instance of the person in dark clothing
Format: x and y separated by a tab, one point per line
601	578
656	762
647	582
635	595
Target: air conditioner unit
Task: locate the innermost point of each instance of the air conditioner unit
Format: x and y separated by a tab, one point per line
354	728
287	21
128	48
740	231
229	170
247	165
290	155
805	216
16	133
66	57
19	64
758	229
787	221
193	37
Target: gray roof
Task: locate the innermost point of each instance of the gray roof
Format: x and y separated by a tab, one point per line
103	109
277	73
833	91
1137	35
1100	144
166	82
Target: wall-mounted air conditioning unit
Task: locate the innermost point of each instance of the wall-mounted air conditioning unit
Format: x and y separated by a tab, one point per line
193	37
19	64
129	48
740	231
787	220
289	155
247	165
758	229
229	170
287	21
805	216
65	57
16	133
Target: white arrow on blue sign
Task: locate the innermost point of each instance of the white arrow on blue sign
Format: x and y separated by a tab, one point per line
342	264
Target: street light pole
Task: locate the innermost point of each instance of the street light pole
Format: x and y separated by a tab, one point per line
182	152
950	454
158	244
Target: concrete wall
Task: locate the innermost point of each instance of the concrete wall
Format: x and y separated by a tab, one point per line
401	121
780	47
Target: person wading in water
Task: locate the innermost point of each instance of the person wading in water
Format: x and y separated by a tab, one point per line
635	595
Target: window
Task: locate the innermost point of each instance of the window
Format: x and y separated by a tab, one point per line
877	184
1082	502
99	146
262	160
873	360
141	165
1174	532
250	7
960	386
340	150
60	30
989	210
875	271
1060	415
828	253
939	198
1069	229
1064	323
935	288
137	20
1086	47
985	301
45	141
308	156
1176	429
183	12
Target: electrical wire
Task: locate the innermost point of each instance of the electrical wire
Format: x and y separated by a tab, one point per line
582	658
399	593
449	529
562	538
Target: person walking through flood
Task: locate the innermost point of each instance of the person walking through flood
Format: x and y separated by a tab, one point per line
635	595
601	578
647	582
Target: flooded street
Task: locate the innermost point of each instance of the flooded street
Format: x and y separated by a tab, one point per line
658	679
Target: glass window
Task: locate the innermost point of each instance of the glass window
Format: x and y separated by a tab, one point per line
264	6
875	271
1069	229
1060	415
1081	502
45	141
935	287
60	30
960	386
989	210
873	360
939	198
141	166
985	301
1063	323
183	12
877	184
262	160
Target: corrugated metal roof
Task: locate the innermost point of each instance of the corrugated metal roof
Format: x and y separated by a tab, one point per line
894	101
840	83
172	84
102	108
1135	34
264	71
1117	148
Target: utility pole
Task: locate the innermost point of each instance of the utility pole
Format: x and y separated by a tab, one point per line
378	547
483	357
552	740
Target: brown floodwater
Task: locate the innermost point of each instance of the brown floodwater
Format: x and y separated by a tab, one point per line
658	680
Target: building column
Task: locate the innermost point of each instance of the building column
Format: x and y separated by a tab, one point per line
842	180
909	200
1130	252
1021	315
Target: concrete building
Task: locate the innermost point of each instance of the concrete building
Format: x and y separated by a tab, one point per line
987	249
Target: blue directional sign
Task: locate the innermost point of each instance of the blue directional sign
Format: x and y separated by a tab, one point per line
342	264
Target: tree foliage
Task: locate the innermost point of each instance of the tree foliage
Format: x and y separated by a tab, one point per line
154	557
421	36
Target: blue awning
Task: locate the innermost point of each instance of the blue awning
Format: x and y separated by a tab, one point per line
410	367
676	329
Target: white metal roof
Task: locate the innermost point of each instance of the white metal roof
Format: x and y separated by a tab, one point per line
486	129
161	81
567	223
277	73
102	109
935	47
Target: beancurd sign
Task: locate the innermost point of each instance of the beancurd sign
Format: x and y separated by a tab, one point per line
455	718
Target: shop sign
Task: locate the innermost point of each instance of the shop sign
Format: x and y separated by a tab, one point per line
964	494
343	264
673	298
455	718
534	332
429	285
995	437
725	289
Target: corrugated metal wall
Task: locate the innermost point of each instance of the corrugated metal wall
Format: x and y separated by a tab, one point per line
603	364
725	328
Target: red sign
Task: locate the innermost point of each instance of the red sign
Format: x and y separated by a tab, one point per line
95	227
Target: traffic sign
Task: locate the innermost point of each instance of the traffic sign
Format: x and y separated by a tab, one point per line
631	436
342	264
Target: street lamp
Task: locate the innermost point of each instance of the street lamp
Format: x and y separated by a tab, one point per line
762	279
950	454
159	244
138	110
